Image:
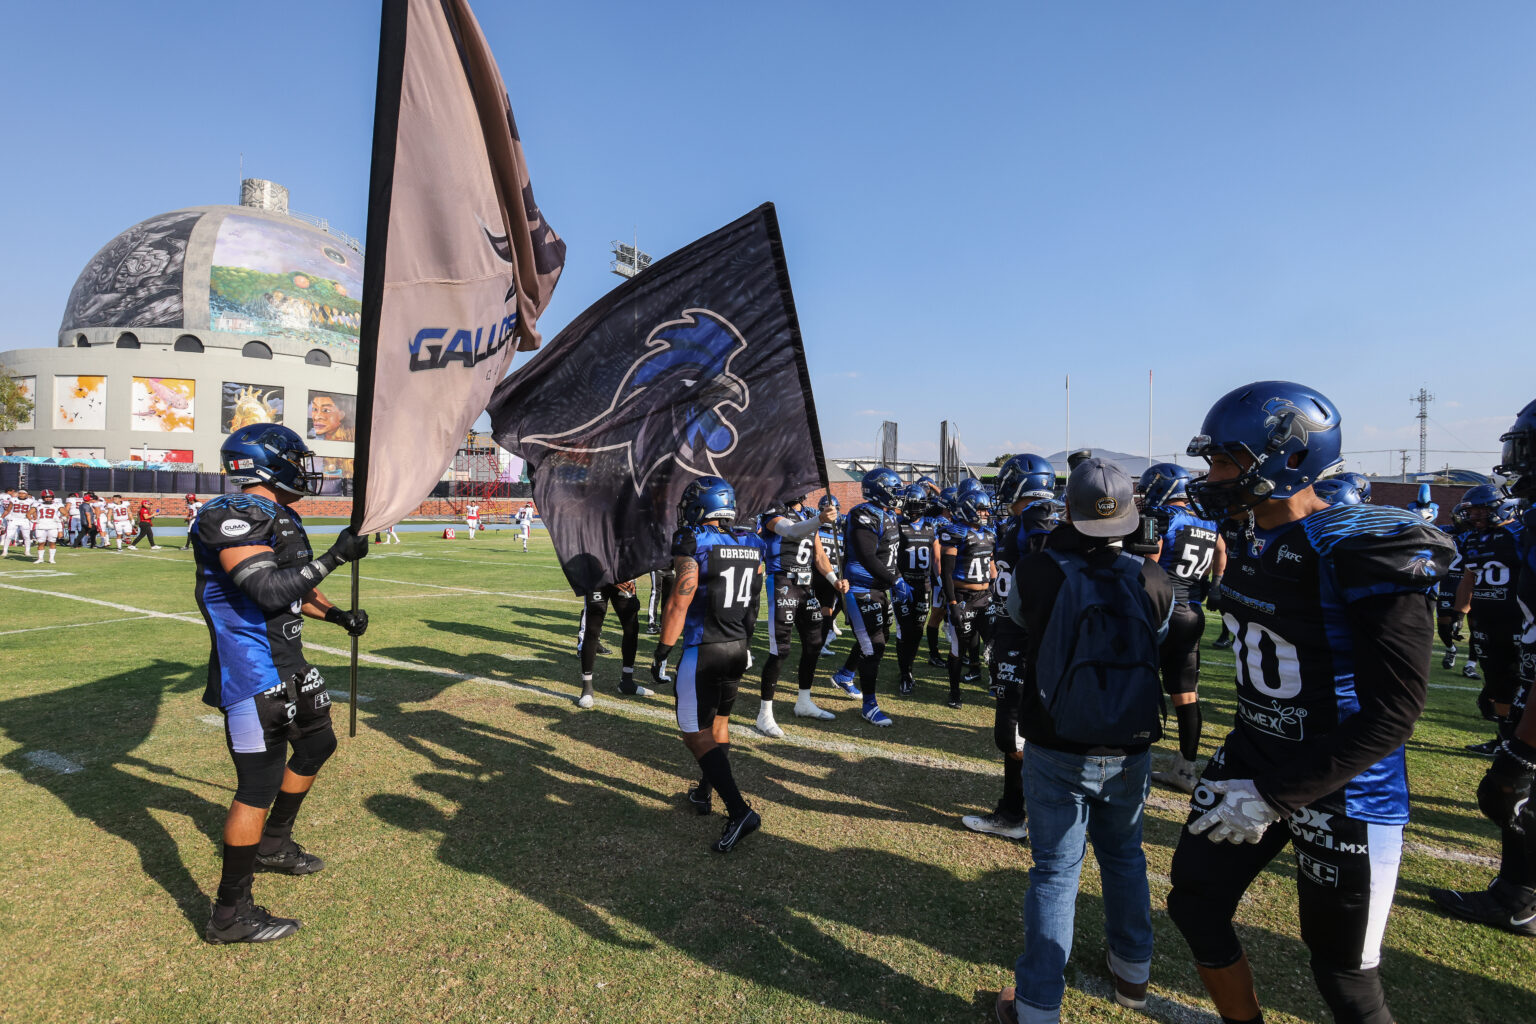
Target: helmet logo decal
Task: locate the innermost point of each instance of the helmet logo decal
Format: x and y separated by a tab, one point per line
1284	421
674	404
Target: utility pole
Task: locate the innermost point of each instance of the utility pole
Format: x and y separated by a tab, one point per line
1403	452
1423	398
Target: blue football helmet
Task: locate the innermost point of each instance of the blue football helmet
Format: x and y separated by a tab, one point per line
706	498
268	453
1283	436
1025	476
828	501
882	487
973	507
1164	482
1424	506
1480	508
1518	460
1362	483
947	498
970	483
1337	491
914	501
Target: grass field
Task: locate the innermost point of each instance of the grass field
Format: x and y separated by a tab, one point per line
495	854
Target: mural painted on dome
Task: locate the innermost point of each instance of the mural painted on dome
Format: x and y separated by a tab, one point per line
164	403
28	388
332	417
79	403
135	280
244	404
286	281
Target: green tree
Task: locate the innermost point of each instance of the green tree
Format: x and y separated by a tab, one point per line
15	407
1001	459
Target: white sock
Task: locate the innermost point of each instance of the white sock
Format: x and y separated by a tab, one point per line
50	557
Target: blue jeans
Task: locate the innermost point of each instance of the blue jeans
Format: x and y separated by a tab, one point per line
1071	799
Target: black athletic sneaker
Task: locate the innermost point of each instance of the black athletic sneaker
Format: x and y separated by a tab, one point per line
250	924
290	860
1222	643
653	629
1449	661
736	829
954	700
602	648
971	676
1488	749
906	683
937	662
699	799
1501	905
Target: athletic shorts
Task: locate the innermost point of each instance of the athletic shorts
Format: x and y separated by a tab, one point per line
869	613
272	718
706	683
965	618
46	532
791	604
17	531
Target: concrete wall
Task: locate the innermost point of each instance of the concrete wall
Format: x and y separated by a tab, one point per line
220	361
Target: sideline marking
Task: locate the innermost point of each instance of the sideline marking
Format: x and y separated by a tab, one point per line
53	762
217	720
342	695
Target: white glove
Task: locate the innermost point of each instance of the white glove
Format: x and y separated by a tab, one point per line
1241	817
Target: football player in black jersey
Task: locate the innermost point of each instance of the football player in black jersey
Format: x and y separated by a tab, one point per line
915	560
965	572
257	581
827	596
1489	545
794	553
1026	489
1189	549
871	537
621	596
1330	609
1505	793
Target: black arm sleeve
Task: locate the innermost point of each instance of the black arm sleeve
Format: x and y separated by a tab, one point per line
274	589
864	546
1392	635
947	573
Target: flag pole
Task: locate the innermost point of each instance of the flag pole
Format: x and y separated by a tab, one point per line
381	179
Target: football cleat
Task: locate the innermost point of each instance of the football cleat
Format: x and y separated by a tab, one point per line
249	924
585	701
290	860
698	799
1222	643
736	829
636	690
1469	671
1181	775
1501	905
907	683
937	662
1449	661
874	716
653	629
997	824
1488	749
766	725
953	701
843	679
807	708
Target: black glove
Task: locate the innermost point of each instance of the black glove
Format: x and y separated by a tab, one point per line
349	547
355	623
1505	791
659	665
1213	595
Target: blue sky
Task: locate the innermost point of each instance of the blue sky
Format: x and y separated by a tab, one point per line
977	199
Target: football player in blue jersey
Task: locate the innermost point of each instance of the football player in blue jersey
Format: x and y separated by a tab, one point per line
712	611
1337	491
1448	621
1489	545
1504	795
793	555
871	540
257	581
965	573
1361	483
1330	607
941	511
1189	549
830	599
915	559
1026	490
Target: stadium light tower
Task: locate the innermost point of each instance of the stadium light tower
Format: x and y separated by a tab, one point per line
1423	398
628	260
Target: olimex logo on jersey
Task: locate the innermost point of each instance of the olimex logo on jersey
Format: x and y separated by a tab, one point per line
675	403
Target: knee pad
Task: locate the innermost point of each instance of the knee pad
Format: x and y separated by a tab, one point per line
1206	930
1354	996
258	777
311	751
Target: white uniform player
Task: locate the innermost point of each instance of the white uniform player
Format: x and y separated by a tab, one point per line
472	519
100	518
525	523
122	517
72	519
18	524
193	507
47	520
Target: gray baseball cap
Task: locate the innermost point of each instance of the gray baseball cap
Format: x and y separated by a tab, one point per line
1101	499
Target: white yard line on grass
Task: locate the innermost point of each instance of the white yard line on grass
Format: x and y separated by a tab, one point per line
75	625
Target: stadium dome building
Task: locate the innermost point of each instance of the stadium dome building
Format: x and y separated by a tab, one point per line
197	322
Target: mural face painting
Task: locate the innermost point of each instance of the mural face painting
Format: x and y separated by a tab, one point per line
332	417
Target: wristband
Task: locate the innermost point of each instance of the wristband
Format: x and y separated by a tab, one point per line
831	577
663	652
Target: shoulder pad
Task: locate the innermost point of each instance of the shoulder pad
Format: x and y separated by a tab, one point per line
1378	549
235	520
685	542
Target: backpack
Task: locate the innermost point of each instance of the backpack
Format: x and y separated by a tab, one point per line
1097	669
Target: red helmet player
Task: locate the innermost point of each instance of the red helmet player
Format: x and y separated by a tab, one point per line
191	498
47	494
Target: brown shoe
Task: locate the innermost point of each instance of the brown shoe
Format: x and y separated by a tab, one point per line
1133	997
1007	1013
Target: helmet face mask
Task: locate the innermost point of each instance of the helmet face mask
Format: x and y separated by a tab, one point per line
973	507
914	501
271	455
1518	459
1164	482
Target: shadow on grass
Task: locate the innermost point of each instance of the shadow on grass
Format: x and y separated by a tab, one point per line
102	723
